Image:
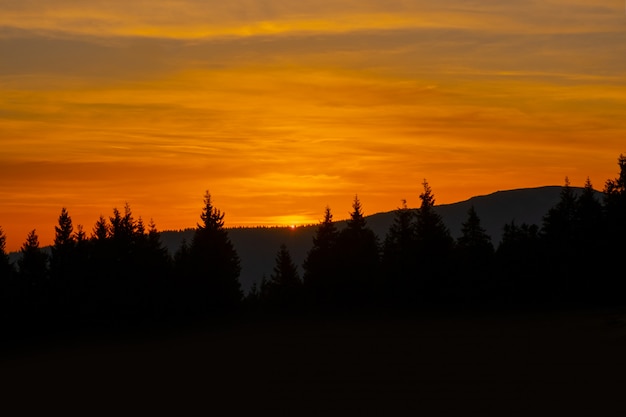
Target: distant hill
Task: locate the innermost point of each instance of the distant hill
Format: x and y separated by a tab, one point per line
257	247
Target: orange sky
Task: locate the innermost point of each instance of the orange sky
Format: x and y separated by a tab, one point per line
280	108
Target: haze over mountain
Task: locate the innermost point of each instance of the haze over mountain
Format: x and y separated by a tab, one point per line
257	247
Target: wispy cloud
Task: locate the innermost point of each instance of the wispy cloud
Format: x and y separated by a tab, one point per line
296	105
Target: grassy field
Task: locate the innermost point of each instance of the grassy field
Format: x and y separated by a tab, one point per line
558	363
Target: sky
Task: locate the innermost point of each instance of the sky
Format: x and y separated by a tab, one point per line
280	108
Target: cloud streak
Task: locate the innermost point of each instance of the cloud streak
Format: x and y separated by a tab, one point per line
295	105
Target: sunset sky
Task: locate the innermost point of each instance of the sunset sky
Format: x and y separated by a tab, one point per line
282	107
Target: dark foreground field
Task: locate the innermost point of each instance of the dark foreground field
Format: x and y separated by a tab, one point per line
554	364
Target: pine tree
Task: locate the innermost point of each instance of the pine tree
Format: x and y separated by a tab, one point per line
9	297
434	246
398	259
615	205
559	222
284	289
359	260
6	268
34	262
558	235
101	230
33	271
519	261
215	265
63	248
320	265
474	257
615	212
62	266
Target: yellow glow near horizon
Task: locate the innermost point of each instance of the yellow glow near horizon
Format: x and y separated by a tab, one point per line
282	110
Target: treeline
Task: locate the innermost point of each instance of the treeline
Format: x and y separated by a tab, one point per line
121	272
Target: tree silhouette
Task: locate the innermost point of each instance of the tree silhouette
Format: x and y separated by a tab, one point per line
33	273
359	260
615	209
34	262
474	257
8	293
214	263
519	263
284	289
434	245
559	223
589	243
398	258
560	244
62	267
6	268
320	265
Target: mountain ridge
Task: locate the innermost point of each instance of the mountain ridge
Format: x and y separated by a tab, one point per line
258	246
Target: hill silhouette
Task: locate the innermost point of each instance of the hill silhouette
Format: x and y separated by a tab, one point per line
257	246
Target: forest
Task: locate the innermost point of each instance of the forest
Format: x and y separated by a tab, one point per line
120	272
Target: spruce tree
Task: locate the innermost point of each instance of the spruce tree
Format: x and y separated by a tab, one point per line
34	262
8	294
519	263
320	265
474	258
615	209
558	235
5	265
215	265
434	247
33	273
284	288
398	258
359	260
63	248
62	266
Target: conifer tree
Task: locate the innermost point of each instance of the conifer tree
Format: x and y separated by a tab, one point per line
589	217
320	265
63	248
615	205
519	262
558	235
398	259
8	293
215	265
5	265
101	230
559	223
284	289
474	257
615	212
434	246
34	262
33	271
359	259
62	266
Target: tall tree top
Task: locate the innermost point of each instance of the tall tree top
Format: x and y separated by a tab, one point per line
101	229
357	220
617	186
32	242
64	231
285	271
3	242
427	197
212	218
326	232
